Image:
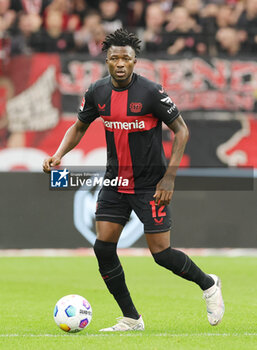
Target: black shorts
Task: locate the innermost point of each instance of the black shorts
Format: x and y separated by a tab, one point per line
116	207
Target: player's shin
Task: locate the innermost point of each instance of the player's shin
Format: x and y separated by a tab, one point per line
180	264
113	276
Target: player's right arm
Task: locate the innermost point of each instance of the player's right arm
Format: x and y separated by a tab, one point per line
70	140
87	114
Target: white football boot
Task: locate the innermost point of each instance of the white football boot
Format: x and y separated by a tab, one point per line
126	324
214	302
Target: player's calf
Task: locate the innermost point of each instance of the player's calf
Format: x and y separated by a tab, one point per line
180	264
113	276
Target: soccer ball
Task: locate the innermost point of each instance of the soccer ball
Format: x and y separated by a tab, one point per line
72	313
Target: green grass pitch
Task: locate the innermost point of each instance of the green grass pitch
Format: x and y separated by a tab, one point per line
173	309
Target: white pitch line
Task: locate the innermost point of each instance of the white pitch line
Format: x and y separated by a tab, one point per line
140	334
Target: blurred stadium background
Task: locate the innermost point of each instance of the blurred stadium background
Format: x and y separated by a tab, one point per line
204	55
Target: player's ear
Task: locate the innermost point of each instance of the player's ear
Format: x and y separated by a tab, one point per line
106	60
135	60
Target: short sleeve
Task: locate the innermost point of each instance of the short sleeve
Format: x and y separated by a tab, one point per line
163	107
87	111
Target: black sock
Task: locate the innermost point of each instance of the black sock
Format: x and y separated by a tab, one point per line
113	276
180	264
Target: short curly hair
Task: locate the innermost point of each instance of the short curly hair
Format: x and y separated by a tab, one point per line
121	37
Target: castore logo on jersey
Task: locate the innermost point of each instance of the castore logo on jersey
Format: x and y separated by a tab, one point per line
101	108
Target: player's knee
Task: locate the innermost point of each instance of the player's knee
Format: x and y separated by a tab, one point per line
162	257
104	250
106	256
169	259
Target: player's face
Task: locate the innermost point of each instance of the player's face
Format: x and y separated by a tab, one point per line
121	61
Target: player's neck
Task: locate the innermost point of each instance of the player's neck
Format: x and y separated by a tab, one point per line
121	84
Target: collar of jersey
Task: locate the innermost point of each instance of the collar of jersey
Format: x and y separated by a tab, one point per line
125	88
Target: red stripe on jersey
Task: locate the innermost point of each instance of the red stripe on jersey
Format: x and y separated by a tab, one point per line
149	121
119	101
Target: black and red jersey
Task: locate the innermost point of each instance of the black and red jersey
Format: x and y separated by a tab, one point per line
132	118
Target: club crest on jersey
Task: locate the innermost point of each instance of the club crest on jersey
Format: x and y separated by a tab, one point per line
82	104
136	107
101	108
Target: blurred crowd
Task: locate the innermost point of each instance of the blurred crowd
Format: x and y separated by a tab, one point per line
174	27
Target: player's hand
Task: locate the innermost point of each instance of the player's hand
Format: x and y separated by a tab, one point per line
50	163
164	190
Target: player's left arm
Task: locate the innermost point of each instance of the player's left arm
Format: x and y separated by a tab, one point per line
165	187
